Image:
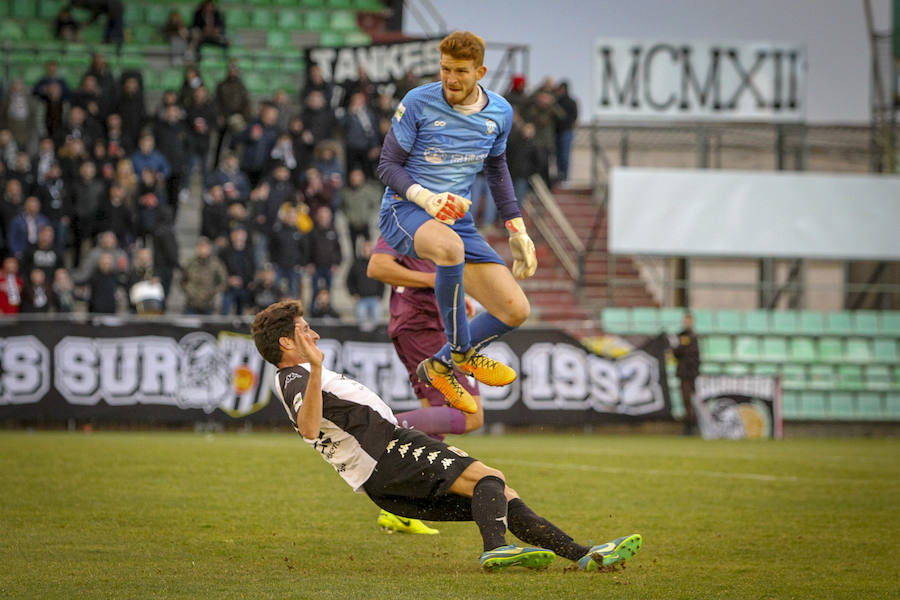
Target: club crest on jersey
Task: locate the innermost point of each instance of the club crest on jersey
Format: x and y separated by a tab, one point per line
491	126
398	114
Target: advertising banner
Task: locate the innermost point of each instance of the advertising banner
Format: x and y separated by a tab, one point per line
698	80
738	407
181	372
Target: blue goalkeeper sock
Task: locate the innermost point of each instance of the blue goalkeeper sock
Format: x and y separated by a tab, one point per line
451	301
483	329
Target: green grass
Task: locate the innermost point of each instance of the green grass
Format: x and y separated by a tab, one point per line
140	515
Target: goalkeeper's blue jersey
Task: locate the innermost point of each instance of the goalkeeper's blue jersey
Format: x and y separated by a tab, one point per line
446	148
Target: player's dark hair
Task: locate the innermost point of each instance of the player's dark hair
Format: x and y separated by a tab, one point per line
463	45
273	323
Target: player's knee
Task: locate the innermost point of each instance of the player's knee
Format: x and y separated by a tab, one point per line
448	251
518	312
510	493
489	472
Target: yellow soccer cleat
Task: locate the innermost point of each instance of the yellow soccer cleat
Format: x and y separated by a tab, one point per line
483	368
391	523
441	377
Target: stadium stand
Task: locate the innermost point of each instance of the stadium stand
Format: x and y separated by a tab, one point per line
832	366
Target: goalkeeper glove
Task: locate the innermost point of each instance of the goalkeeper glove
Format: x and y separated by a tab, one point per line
445	207
524	258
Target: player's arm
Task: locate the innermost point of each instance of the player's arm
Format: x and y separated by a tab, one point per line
443	206
384	268
309	417
499	181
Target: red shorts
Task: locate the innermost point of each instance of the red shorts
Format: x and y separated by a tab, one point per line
415	346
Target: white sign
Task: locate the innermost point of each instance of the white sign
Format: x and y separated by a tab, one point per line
733	81
688	212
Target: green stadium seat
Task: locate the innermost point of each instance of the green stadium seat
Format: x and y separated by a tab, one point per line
710	368
262	18
11	31
813	405
717	348
48	9
793	376
830	350
802	349
868	405
756	321
785	322
774	348
867	322
767	369
703	320
850	377
670	319
728	321
343	20
357	38
890	323
171	79
811	323
791	405
884	350
339	3
370	5
316	20
134	12
146	34
278	39
616	320
331	39
312	3
93	35
893	406
237	18
840	405
645	320
747	348
22	9
737	369
821	377
839	323
290	19
878	377
857	349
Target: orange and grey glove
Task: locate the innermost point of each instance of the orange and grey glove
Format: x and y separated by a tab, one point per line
524	258
446	207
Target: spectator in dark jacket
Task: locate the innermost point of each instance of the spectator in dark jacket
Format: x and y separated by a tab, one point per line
214	215
208	27
119	145
43	255
113	31
259	138
202	120
233	103
103	285
147	156
87	196
687	353
171	136
132	110
318	117
324	250
24	227
361	136
116	215
38	295
288	250
264	289
165	251
565	130
234	182
523	157
238	261
367	292
56	205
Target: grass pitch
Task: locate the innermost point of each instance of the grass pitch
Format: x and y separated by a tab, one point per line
173	515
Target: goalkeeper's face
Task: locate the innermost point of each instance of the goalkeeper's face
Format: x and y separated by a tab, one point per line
459	78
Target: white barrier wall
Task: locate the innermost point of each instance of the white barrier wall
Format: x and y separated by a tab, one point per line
689	212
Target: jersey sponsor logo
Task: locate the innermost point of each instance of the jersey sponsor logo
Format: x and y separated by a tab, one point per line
440	123
398	114
465	158
490	126
435	155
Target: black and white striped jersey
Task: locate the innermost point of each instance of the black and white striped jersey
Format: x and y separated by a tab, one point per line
356	424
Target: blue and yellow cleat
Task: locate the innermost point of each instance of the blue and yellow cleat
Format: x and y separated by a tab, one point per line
515	556
611	553
391	523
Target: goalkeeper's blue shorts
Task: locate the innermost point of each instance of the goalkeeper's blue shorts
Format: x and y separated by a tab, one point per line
399	222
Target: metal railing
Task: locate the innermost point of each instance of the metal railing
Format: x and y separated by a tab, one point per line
555	228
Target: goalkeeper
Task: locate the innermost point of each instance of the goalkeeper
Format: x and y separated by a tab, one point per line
441	136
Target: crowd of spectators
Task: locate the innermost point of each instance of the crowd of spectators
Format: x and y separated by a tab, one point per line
92	180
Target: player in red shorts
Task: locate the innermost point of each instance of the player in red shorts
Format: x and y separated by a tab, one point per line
416	330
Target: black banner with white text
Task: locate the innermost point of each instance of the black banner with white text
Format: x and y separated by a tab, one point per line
182	371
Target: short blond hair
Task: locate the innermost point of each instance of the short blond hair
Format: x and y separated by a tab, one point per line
463	45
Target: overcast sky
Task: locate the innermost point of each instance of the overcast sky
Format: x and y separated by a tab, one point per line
561	35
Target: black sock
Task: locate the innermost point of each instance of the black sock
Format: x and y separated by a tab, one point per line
538	531
489	511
